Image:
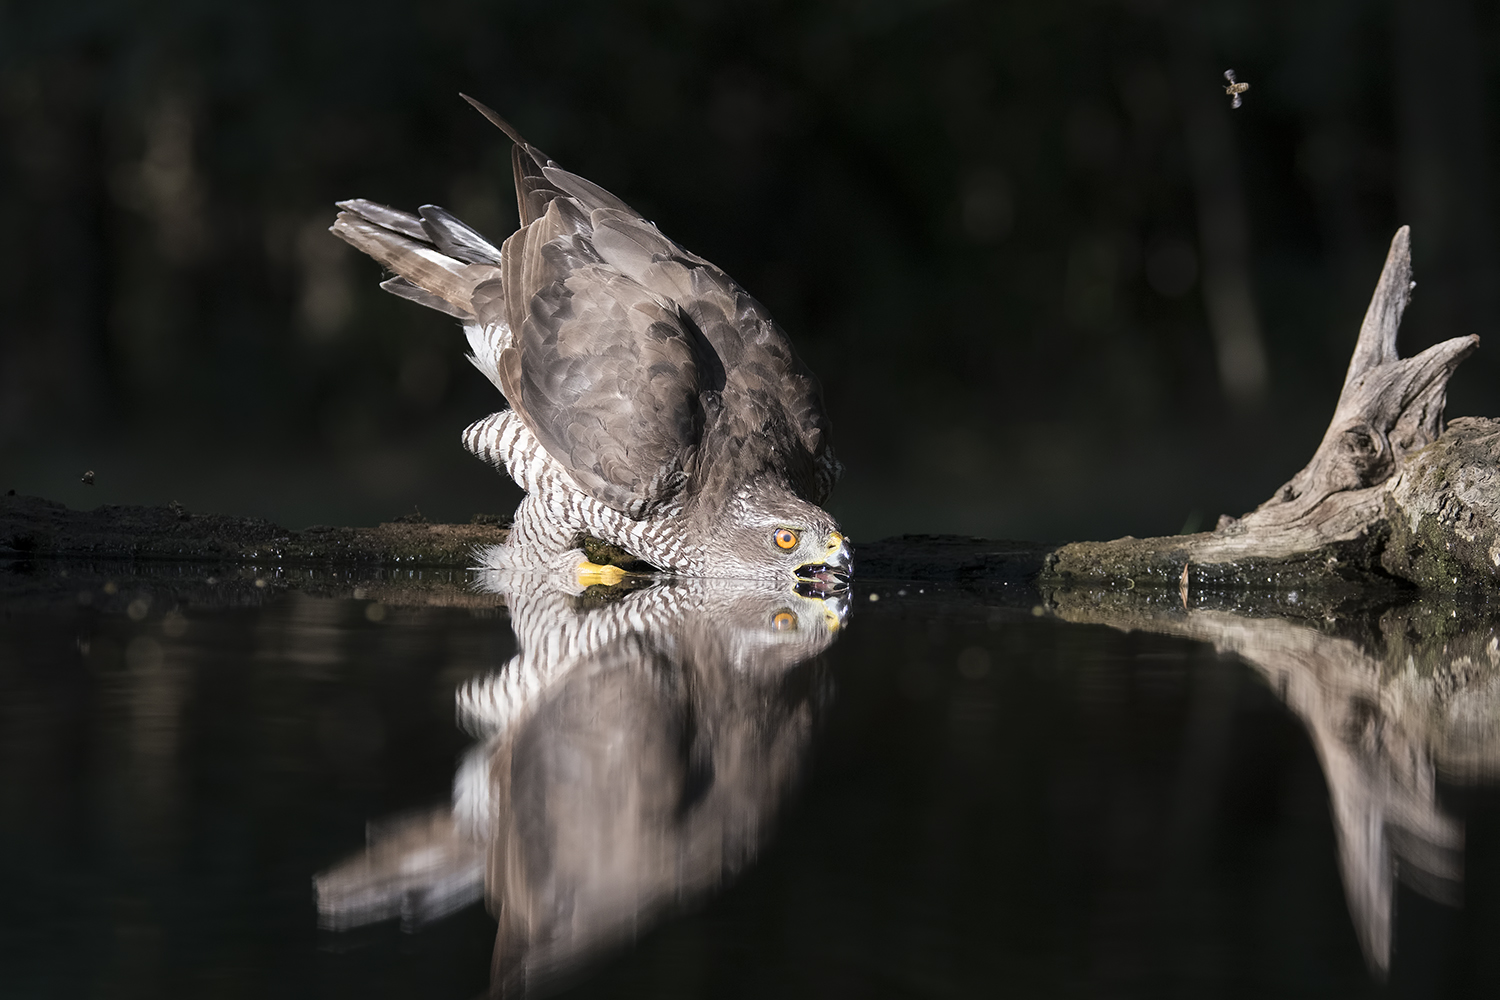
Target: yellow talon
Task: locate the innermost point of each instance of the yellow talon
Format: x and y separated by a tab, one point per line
592	574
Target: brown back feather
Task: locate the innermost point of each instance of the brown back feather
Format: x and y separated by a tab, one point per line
638	365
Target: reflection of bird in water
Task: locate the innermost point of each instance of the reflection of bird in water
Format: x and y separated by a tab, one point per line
653	403
763	629
1234	89
633	756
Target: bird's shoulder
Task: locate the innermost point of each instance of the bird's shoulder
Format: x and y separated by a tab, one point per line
622	338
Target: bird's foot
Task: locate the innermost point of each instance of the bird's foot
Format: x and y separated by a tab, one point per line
592	574
573	572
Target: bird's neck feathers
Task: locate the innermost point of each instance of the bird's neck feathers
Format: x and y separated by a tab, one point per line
746	449
733	502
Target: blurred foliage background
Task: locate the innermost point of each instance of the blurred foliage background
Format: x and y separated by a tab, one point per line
1054	286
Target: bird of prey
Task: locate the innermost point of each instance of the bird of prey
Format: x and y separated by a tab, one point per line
654	404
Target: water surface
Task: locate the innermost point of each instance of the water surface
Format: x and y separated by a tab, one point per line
685	792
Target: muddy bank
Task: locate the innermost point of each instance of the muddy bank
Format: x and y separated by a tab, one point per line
32	527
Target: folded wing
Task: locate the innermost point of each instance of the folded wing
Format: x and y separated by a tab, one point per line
614	345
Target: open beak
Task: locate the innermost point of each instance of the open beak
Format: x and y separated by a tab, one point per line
835	609
832	571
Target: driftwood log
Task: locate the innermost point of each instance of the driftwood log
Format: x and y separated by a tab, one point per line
1388	494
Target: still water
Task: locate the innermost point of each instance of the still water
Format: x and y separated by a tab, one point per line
441	785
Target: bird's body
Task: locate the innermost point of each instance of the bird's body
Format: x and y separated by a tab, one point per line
653	403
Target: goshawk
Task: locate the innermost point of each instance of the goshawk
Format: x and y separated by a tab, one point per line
653	403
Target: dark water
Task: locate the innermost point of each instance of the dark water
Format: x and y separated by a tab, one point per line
689	793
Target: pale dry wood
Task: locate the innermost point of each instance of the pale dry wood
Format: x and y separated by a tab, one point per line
1390	408
1329	516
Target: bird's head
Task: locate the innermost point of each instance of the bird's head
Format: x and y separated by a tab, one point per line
768	533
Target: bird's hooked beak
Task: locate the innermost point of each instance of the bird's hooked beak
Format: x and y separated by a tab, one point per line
832	570
835	610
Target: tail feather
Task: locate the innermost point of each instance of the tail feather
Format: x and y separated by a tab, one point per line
420	868
405	289
383	215
456	238
411	256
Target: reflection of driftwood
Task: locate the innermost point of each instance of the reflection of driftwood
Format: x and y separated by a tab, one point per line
1387	711
1331	521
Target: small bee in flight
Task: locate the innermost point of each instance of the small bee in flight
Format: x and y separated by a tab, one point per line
1234	89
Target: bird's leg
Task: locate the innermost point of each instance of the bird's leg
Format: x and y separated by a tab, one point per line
536	541
541	542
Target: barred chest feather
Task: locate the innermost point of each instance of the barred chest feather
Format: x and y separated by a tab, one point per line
555	513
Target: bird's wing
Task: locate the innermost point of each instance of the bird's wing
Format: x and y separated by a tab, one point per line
619	337
602	370
779	401
539	179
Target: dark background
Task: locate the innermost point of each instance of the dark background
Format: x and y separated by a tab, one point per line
1054	286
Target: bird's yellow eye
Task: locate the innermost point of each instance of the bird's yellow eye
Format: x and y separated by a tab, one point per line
786	538
783	621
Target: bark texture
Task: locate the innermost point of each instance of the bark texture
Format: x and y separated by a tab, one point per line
1443	509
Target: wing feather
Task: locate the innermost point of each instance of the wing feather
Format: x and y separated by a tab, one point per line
768	388
608	380
622	352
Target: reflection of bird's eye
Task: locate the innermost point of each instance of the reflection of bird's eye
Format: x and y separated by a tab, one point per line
783	621
786	538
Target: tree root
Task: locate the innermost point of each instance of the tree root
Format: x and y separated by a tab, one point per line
1388	495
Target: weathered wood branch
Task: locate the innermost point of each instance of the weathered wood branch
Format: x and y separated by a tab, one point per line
1333	521
1389	409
